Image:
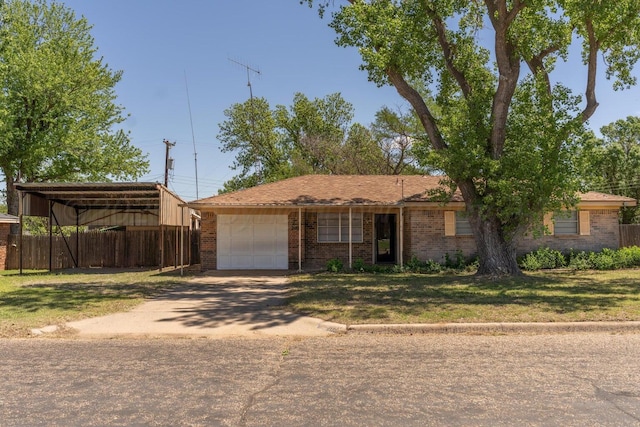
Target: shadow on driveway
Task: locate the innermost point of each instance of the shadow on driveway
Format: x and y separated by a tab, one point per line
216	304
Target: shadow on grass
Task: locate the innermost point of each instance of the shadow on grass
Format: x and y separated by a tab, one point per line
361	297
68	291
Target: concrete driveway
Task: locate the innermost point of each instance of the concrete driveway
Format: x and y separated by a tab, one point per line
219	304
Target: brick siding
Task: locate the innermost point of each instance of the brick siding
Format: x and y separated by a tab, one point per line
4	237
424	231
423	237
208	241
318	254
605	233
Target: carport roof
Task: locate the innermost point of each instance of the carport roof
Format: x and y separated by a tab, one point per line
111	195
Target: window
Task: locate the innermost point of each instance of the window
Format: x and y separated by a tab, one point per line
334	227
456	223
463	227
565	223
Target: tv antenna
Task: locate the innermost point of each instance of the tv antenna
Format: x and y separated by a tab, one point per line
252	118
193	136
249	71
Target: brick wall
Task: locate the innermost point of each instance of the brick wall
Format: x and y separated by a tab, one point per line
294	242
424	236
605	233
4	237
425	239
208	241
317	254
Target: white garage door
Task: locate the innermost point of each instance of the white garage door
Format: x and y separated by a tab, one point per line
252	242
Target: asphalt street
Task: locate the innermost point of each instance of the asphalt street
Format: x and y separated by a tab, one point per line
343	380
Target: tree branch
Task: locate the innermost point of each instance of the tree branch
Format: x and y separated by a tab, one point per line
592	65
509	71
448	52
424	114
536	65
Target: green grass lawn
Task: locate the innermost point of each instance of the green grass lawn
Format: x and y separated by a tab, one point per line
549	296
38	299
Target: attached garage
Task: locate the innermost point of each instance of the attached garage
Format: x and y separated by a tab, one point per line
252	242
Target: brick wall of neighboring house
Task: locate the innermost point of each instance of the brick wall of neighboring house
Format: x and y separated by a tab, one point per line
317	254
425	239
208	241
605	233
4	237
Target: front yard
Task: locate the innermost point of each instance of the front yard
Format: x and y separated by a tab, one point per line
38	299
549	296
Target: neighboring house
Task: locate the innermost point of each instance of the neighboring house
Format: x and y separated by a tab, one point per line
5	225
302	222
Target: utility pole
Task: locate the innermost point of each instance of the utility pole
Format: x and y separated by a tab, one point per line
168	162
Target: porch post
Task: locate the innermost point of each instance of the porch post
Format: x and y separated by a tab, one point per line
350	243
299	239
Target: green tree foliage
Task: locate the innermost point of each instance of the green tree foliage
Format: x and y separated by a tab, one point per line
499	125
612	163
58	115
313	136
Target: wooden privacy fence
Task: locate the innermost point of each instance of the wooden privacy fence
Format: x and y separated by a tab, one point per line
629	235
115	249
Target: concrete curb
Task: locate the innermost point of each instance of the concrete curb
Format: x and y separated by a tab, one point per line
493	328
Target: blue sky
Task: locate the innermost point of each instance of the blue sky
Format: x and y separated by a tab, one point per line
155	43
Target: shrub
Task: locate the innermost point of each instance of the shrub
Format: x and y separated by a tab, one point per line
543	258
605	260
579	261
530	262
628	257
334	265
358	265
457	263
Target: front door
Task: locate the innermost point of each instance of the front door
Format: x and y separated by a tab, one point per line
385	238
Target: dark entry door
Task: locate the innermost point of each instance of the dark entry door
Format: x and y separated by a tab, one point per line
385	238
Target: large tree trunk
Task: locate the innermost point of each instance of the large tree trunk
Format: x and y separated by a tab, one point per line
496	254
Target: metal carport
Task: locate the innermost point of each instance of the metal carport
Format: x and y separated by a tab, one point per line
126	204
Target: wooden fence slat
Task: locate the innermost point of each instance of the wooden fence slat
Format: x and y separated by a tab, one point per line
119	249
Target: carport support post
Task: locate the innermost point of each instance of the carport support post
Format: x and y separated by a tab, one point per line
77	238
50	236
20	215
181	240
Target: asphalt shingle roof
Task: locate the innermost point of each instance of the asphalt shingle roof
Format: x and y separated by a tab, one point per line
348	190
